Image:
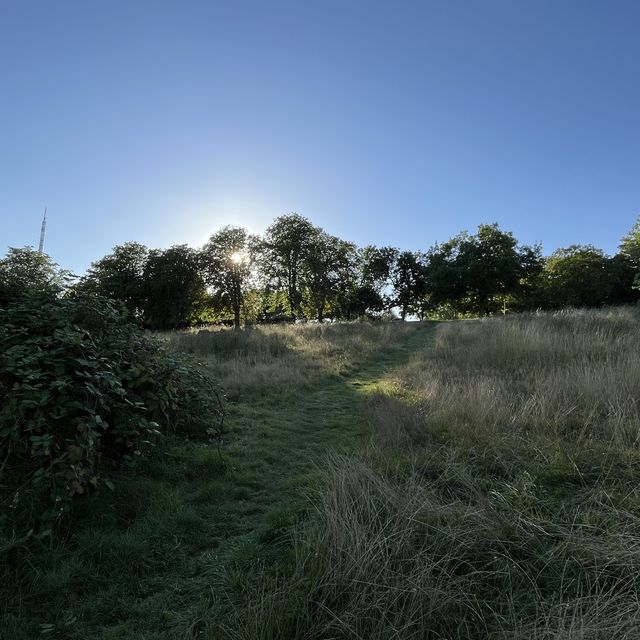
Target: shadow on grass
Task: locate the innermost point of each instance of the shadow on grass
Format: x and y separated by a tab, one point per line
143	561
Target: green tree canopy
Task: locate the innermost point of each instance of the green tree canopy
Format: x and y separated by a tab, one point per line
25	270
327	272
576	276
175	291
287	243
228	259
630	249
630	244
408	276
120	276
472	271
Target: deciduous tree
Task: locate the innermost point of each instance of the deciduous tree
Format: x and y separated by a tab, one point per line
285	250
175	291
120	276
582	276
228	260
327	271
408	277
24	270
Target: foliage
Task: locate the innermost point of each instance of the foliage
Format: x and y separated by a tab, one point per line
285	250
328	269
583	276
25	270
408	276
297	271
165	289
473	271
365	301
377	266
185	526
623	280
82	388
228	259
630	244
175	294
119	275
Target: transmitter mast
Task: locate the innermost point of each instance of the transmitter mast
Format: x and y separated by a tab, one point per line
42	230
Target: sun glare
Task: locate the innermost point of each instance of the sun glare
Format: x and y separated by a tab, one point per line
236	257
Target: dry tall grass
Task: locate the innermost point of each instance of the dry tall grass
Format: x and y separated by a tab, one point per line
270	357
499	497
568	376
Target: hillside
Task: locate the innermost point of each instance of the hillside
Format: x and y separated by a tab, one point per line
401	480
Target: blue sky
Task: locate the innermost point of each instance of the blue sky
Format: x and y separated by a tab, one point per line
390	122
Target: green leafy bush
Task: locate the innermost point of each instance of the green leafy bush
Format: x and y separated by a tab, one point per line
83	388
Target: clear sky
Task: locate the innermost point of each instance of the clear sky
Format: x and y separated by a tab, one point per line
397	122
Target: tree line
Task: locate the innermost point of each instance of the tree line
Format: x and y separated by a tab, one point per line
296	270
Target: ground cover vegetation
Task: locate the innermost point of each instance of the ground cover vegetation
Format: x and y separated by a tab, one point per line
297	271
497	497
164	554
84	391
470	478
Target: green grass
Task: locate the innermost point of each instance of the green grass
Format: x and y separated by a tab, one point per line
187	534
473	479
497	499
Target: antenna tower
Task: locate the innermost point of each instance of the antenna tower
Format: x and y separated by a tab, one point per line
42	229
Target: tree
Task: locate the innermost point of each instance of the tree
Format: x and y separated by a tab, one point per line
630	244
630	249
377	266
326	273
623	277
348	280
583	276
490	264
285	250
444	285
227	260
120	276
529	293
408	276
470	272
377	263
174	289
365	301
25	270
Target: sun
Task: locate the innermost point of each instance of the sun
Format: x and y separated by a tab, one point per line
236	257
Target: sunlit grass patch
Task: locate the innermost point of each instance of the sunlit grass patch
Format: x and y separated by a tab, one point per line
271	357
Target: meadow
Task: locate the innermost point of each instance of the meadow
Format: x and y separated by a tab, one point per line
465	479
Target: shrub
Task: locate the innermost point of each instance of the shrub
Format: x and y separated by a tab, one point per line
83	388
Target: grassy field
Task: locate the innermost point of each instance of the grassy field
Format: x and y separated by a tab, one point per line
187	531
498	497
472	479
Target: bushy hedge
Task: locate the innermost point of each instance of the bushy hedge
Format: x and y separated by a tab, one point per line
83	388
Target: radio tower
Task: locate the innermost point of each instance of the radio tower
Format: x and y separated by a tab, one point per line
42	228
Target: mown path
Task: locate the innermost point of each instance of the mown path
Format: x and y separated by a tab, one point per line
276	442
182	536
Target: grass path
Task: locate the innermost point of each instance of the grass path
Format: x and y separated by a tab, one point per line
182	536
276	441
